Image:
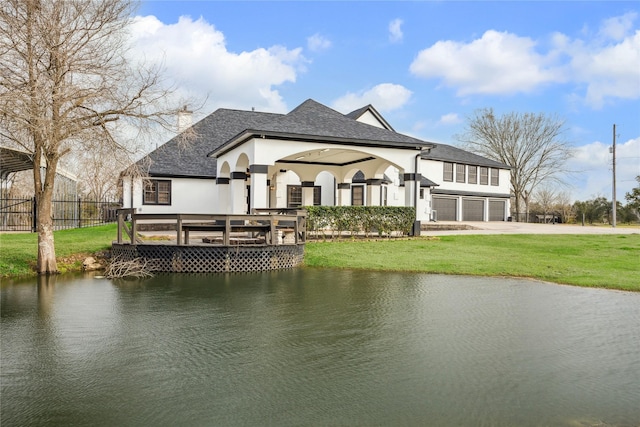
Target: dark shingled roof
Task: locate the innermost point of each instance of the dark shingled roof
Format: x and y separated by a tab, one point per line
449	153
312	120
188	157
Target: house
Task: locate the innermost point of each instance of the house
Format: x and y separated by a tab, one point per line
235	161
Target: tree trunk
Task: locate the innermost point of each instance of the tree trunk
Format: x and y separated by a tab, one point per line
46	263
46	251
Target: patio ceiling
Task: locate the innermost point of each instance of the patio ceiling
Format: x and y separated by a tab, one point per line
327	157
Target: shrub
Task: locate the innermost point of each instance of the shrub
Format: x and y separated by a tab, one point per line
383	220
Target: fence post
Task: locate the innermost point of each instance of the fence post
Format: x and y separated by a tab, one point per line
34	214
79	212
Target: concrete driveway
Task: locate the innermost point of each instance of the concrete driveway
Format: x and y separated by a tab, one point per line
523	228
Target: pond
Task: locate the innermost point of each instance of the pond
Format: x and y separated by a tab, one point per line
317	347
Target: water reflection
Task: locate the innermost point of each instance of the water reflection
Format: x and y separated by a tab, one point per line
317	347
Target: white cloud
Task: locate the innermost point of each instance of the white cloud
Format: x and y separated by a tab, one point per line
316	43
384	97
496	63
603	67
195	57
395	30
608	71
618	27
593	172
450	119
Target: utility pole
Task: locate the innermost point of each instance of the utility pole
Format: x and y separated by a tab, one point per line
614	204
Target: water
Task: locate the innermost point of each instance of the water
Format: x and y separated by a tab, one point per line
318	347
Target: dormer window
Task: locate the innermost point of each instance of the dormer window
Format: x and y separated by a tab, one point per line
448	172
460	173
473	174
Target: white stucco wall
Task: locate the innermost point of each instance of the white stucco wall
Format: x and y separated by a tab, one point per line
188	195
434	170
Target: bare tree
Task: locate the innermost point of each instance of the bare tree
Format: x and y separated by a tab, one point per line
565	206
99	179
65	81
532	144
546	199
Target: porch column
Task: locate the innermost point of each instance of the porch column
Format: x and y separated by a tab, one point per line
414	197
223	195
344	194
373	192
280	190
307	193
410	188
237	199
259	196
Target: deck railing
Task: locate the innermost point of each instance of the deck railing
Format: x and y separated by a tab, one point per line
265	226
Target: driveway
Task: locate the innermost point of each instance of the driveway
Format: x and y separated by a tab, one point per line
524	228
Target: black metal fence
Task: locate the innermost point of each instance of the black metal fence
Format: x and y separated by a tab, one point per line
21	214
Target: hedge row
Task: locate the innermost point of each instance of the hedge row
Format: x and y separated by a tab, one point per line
383	220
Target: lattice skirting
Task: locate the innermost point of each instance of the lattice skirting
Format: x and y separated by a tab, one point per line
212	259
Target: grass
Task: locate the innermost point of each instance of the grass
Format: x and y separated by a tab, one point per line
606	261
19	251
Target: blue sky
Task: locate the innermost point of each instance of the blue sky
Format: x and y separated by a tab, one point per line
425	66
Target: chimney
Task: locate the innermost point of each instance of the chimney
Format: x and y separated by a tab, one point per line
185	119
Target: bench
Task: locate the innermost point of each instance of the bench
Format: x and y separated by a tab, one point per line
233	228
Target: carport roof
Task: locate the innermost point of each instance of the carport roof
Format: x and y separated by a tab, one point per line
14	161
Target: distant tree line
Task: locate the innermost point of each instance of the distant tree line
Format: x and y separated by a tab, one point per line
547	205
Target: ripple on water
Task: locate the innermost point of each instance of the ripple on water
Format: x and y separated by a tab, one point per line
319	347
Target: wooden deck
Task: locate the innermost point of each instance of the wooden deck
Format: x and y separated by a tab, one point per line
194	243
266	226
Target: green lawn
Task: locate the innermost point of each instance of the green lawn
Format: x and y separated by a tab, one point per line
607	261
19	251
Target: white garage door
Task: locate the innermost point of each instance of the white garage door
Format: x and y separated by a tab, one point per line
446	208
496	210
472	210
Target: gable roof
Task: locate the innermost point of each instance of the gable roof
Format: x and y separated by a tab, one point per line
356	114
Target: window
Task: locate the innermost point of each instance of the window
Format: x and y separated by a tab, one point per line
357	195
294	196
473	174
156	192
484	176
460	170
317	196
448	172
495	180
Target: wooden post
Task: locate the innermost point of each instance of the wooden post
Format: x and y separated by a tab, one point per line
134	229
272	233
120	225
179	229
227	230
